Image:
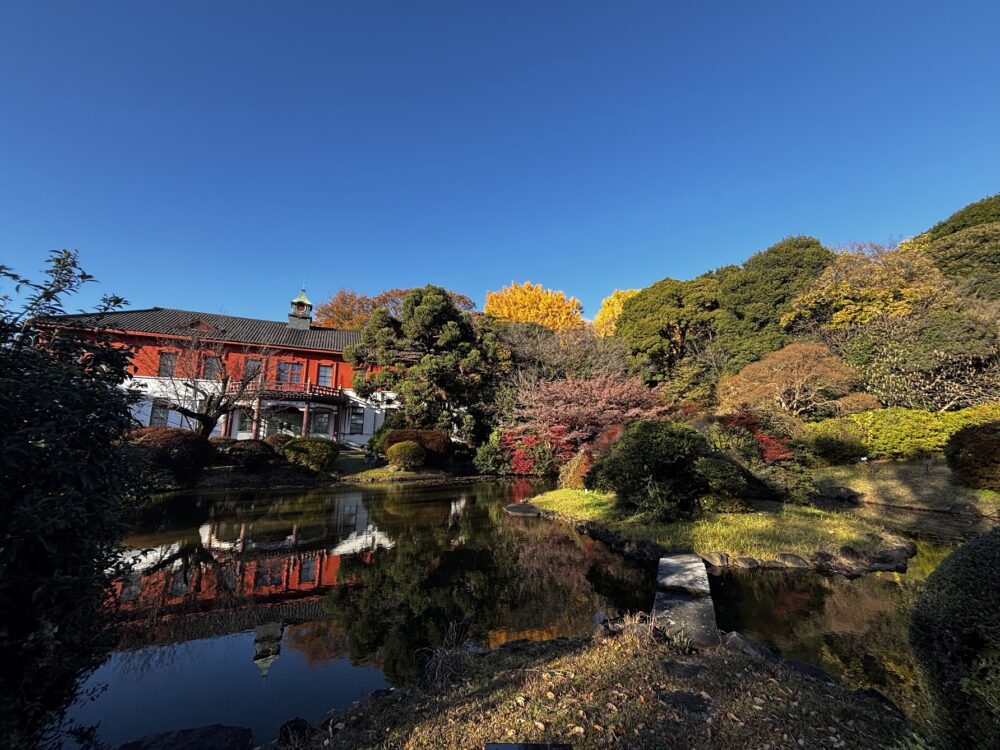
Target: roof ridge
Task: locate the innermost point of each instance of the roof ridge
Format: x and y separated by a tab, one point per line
196	312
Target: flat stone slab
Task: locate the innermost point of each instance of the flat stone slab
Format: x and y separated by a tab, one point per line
684	573
690	616
523	509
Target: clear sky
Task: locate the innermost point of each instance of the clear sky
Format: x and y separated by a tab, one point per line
216	155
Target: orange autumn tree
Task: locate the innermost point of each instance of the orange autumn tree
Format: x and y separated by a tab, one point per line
606	320
532	303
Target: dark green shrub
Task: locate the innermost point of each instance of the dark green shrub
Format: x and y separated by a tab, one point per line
406	455
955	635
250	455
182	452
318	454
839	444
651	468
573	474
726	485
437	444
278	440
973	454
491	458
68	483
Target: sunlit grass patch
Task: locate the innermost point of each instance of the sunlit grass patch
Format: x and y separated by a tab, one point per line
918	484
762	534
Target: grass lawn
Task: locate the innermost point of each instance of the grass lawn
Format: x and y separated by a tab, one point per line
916	484
392	474
617	692
761	534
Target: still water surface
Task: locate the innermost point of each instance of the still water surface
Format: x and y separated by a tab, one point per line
253	608
250	609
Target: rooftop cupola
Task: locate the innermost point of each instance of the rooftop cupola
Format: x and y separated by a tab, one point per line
300	316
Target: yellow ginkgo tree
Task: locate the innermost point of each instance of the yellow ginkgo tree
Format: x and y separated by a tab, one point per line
606	319
532	303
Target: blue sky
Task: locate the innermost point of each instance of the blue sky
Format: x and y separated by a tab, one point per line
217	155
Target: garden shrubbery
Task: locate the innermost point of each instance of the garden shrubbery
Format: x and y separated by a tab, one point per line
955	634
250	455
437	444
181	452
318	454
278	440
666	470
973	454
891	433
407	455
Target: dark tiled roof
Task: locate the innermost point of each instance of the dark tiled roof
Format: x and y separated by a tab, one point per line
167	321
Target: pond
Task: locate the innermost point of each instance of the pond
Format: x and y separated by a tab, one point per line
250	609
855	629
253	608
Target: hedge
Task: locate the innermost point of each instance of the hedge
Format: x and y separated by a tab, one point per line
318	454
251	455
892	433
180	451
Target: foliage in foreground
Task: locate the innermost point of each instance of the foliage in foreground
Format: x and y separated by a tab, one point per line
955	633
406	455
67	478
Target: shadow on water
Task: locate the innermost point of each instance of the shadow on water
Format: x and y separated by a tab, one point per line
855	629
252	608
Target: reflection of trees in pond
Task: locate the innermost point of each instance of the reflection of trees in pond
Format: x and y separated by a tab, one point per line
499	577
854	628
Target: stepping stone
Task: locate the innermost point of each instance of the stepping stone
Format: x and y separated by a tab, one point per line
687	616
738	642
681	669
686	700
523	509
808	670
684	573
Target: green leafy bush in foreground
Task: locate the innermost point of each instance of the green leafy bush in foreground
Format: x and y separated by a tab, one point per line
955	634
318	454
669	471
973	454
891	433
406	455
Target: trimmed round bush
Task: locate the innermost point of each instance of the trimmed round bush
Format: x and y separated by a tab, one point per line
406	455
278	440
251	455
955	635
318	454
167	448
651	468
973	454
437	444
